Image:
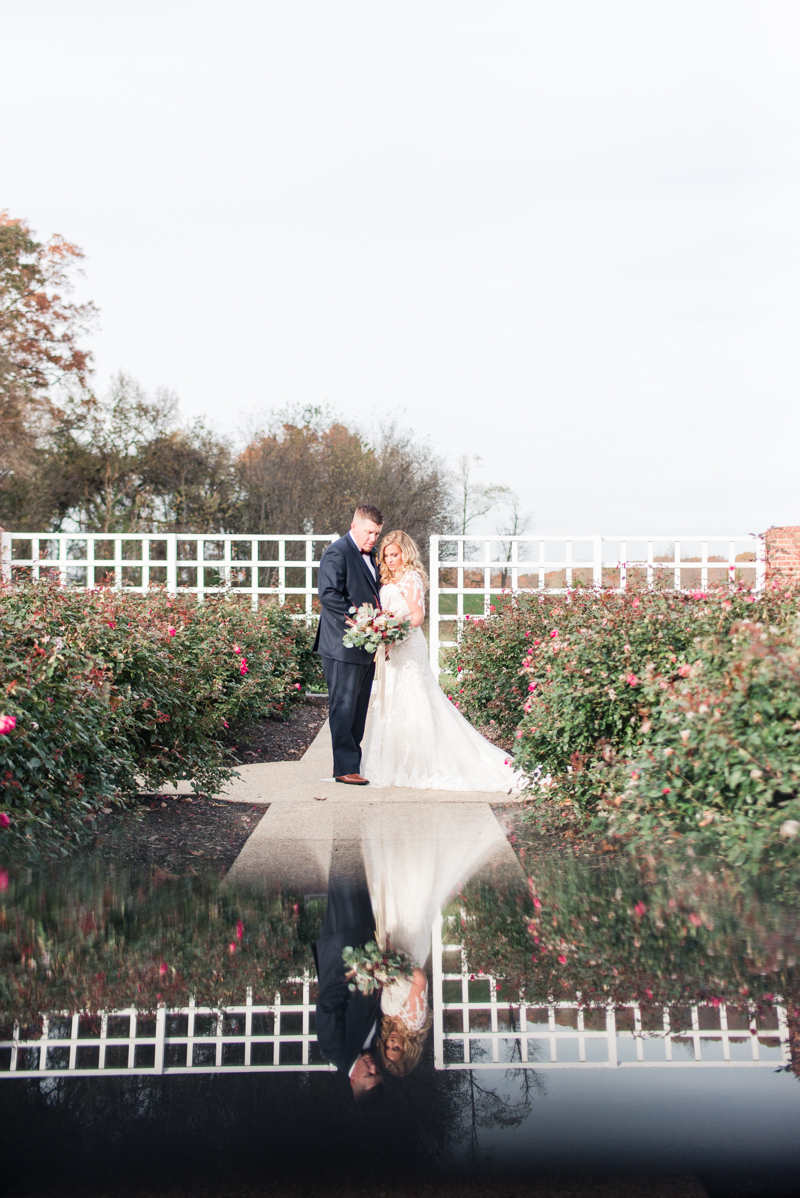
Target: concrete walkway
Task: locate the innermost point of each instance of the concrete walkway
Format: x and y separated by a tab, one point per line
310	816
310	778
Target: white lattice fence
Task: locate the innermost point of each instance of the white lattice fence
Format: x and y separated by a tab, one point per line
467	572
282	567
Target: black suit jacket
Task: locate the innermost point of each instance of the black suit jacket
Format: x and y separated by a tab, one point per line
344	582
343	1016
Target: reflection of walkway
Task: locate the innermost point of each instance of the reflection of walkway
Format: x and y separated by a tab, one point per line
310	817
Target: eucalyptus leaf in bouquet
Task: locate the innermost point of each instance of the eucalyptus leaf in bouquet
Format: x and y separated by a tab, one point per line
369	967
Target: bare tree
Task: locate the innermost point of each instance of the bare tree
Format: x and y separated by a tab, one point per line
475	499
516	523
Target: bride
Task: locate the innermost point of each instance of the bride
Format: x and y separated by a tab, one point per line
414	735
413	868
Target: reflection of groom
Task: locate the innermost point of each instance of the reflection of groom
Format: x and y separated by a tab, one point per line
347	1020
348	577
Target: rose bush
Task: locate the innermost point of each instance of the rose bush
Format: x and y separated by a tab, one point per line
111	694
582	683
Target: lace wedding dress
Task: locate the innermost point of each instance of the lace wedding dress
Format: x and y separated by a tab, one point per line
413	869
414	735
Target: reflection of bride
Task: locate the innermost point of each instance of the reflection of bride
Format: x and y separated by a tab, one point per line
411	873
414	735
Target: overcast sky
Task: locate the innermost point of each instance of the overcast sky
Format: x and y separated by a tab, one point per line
563	235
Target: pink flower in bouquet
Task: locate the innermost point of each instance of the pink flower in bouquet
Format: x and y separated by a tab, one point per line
7	724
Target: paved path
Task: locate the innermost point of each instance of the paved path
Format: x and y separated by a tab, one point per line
310	816
310	778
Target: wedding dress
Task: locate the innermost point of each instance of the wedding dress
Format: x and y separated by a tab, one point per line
413	869
414	735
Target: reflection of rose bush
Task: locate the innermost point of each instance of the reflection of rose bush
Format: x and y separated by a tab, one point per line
88	944
106	687
608	936
580	686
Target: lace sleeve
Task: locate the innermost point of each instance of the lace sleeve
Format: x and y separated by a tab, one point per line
412	590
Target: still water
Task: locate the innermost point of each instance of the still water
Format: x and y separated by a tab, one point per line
586	1018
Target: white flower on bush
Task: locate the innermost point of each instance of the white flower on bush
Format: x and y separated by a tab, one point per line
790	828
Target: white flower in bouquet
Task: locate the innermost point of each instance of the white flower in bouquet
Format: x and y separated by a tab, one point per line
371	628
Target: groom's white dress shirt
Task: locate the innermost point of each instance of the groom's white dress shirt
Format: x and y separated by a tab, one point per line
364	1047
367	560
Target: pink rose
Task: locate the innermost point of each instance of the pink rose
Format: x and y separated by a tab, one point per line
239	929
162	969
632	680
3	880
562	960
170	631
640	909
4	820
7	724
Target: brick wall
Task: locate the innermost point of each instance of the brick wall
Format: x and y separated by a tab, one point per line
783	552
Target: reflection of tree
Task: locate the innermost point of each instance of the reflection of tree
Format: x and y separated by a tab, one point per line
485	1107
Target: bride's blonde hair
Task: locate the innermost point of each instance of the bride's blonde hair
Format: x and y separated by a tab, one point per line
411	556
414	1043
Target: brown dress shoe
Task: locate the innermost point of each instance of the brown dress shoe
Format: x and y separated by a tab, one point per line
353	780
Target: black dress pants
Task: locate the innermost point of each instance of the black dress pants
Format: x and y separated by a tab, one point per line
349	685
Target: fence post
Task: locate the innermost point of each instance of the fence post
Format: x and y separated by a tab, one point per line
438	992
597	565
161	1029
433	606
172	562
5	555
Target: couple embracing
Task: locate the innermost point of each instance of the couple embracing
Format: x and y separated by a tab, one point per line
397	730
403	731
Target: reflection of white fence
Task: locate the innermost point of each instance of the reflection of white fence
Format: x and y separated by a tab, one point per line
466	571
475	1028
280	566
273	1039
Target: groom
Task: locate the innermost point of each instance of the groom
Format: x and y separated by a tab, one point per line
348	577
347	1021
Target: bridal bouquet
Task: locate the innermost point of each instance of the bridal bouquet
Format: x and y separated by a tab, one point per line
370	628
368	967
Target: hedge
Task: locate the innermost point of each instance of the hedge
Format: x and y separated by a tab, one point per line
104	694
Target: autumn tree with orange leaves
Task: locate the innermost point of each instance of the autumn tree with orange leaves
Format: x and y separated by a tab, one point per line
42	360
